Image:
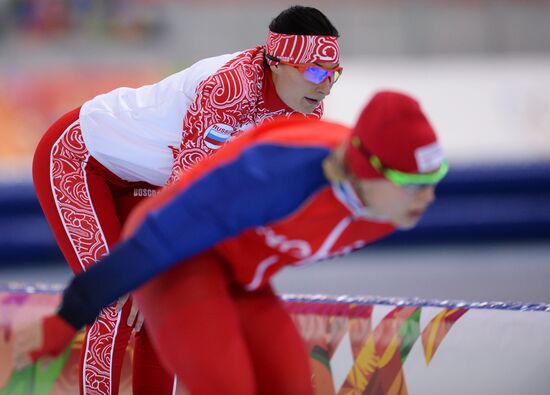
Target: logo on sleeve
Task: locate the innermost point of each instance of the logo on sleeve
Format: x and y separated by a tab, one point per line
217	135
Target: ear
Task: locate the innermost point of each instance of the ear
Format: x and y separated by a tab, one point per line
334	167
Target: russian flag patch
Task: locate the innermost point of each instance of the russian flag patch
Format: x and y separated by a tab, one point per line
217	135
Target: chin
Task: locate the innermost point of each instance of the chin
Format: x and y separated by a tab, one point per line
406	224
304	110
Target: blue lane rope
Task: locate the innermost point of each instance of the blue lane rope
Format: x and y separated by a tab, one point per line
343	299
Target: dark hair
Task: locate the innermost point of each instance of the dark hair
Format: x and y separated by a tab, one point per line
303	20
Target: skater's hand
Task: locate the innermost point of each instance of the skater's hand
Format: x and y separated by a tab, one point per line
135	318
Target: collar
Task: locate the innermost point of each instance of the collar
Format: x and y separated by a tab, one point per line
345	193
271	99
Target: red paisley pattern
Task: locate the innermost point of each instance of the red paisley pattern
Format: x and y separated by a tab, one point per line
68	178
233	97
303	48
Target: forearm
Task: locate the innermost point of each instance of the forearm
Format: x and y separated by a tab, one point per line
249	191
106	281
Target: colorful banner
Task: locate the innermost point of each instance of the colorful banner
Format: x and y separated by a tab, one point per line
374	355
358	346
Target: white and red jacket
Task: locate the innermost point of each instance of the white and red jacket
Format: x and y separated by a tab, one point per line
156	131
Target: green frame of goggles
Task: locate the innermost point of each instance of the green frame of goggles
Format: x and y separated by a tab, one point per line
400	178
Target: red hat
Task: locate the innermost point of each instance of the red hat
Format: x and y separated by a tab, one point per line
393	127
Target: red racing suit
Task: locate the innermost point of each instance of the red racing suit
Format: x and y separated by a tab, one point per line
96	163
210	243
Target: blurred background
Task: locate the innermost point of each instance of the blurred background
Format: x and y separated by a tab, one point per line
481	68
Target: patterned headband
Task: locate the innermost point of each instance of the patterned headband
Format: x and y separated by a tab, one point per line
296	49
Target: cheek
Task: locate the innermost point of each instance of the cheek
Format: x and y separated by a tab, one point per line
379	201
392	202
289	85
296	83
402	201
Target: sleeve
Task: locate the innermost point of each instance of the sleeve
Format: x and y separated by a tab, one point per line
264	183
213	118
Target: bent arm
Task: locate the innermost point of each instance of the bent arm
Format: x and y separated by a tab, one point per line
264	183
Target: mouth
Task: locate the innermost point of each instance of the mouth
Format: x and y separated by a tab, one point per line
415	214
312	101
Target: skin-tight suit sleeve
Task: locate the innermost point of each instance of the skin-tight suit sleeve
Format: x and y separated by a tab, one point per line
262	184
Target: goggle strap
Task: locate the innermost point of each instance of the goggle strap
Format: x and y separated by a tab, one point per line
401	178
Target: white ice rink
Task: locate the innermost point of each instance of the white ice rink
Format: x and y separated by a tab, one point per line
488	272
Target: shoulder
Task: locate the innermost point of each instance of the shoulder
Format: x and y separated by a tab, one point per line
250	59
298	130
243	71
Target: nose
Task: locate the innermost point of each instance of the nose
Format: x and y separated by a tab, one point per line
324	87
427	194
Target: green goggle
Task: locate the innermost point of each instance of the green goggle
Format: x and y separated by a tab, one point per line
400	178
